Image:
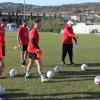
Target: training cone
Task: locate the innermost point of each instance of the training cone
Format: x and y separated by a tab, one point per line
15	47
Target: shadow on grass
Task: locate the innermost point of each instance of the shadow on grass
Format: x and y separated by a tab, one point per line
32	75
17	94
93	64
88	73
66	76
76	65
89	64
70	80
63	96
14	94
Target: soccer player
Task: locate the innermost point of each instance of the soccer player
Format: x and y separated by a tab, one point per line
33	49
67	43
2	46
23	39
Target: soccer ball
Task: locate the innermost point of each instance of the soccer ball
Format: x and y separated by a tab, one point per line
50	74
97	80
13	72
84	67
57	69
2	89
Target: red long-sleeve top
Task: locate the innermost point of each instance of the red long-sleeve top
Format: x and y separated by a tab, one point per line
68	35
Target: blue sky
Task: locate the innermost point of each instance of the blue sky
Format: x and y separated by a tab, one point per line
50	2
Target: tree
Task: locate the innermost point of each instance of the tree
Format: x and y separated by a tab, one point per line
60	16
0	12
38	15
49	16
31	16
13	16
17	16
9	17
44	16
55	16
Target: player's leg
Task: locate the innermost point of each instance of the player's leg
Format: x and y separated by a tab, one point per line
32	57
29	66
2	66
40	70
70	53
23	56
64	52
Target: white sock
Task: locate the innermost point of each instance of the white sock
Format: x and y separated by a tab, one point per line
40	73
27	72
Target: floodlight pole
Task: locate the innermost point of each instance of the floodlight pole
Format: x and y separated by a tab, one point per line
70	9
24	10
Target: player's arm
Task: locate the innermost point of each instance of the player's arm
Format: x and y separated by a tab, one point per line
4	44
34	43
34	39
18	36
0	48
18	40
71	34
75	40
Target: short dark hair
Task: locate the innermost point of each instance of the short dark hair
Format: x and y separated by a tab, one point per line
3	19
37	20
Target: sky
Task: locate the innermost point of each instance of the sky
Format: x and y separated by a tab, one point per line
49	2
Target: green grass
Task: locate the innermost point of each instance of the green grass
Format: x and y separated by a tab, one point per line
70	84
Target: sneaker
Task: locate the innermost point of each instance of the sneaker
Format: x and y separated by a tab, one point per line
43	78
63	63
27	75
2	75
72	63
23	66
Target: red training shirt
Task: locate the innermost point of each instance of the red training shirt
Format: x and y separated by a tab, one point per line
33	34
1	55
2	40
23	35
2	35
68	35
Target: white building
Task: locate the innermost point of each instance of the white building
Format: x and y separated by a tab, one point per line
75	18
82	28
11	27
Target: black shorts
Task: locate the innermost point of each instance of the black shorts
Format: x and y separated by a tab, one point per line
3	50
33	56
24	47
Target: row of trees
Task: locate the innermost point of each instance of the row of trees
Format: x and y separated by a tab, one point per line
48	25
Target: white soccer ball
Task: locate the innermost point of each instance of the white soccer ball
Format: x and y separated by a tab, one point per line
57	69
50	74
2	89
97	80
84	67
13	72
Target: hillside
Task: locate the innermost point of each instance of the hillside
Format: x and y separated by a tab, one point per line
74	8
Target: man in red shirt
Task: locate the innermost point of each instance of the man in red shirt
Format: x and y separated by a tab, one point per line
23	39
33	49
2	46
67	44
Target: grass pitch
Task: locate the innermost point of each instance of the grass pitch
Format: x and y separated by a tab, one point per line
70	84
